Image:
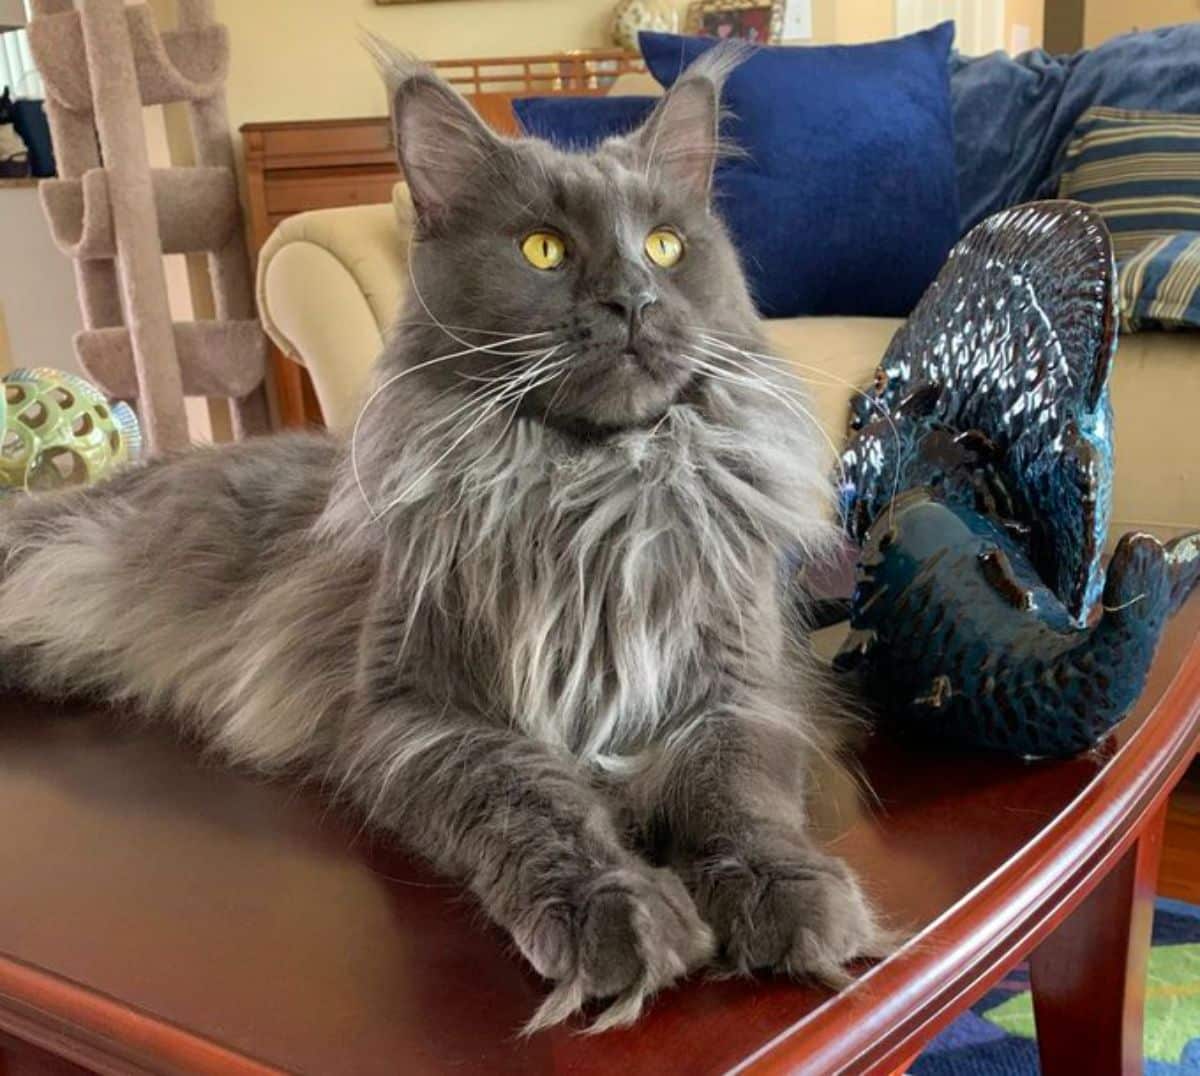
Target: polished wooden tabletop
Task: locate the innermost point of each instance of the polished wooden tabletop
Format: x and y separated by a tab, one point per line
159	913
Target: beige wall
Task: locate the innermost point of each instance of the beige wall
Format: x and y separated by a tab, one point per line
37	286
300	59
1103	19
849	22
1025	13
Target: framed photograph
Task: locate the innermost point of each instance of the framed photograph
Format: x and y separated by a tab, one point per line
759	21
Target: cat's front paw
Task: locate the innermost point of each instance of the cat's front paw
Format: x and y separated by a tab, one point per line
627	933
793	910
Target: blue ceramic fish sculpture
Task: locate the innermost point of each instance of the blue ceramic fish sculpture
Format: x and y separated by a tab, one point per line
977	481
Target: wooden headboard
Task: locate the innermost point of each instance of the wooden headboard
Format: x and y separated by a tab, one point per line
300	165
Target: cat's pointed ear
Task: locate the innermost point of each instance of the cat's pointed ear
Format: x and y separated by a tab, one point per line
440	139
680	143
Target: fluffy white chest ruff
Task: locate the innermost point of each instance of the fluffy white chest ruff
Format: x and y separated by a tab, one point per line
629	578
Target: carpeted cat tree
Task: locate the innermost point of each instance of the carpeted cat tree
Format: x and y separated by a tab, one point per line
115	216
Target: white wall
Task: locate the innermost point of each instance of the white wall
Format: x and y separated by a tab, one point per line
37	286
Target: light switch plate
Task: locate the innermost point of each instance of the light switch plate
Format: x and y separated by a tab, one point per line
1020	38
797	20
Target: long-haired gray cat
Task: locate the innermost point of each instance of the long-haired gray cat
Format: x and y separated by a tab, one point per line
530	619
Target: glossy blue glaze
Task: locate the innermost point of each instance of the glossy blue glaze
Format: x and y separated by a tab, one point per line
978	478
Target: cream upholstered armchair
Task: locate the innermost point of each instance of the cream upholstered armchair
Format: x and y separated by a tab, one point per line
330	283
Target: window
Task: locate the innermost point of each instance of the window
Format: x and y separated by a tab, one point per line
17	70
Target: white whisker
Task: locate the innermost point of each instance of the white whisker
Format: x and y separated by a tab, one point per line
776	363
754	380
513	390
375	395
497	376
468	329
561	385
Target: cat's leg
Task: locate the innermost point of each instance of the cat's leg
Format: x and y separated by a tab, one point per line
535	842
727	807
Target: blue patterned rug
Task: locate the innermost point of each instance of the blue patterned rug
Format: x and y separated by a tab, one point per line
996	1038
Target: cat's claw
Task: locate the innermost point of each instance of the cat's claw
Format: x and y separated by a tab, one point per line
796	911
632	931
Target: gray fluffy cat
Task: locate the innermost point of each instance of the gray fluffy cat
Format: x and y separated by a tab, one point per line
530	619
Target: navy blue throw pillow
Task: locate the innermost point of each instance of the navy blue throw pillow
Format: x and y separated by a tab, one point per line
581	122
847	199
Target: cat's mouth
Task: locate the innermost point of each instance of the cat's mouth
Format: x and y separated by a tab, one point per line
651	358
614	382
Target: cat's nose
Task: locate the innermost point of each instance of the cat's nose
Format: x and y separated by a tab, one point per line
630	306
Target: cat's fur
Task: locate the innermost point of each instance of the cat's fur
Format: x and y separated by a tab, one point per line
540	638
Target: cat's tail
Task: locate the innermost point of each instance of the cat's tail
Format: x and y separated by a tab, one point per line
56	607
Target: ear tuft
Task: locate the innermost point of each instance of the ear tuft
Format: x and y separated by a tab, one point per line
440	140
719	62
395	65
681	142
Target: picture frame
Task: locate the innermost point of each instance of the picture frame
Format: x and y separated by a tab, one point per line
757	21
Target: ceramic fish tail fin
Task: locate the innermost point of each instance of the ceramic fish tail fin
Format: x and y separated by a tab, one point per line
1183	567
1137	589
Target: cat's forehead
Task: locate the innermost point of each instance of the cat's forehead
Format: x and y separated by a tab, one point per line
607	181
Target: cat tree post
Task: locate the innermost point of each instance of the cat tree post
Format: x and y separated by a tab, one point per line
102	62
233	289
76	152
118	112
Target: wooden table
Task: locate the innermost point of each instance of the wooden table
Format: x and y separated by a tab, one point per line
161	914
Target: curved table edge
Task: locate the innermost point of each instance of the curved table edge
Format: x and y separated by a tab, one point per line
92	1029
984	930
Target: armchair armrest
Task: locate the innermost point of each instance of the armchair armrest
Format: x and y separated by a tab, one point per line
329	283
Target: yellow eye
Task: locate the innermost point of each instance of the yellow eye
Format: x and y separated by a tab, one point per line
664	247
543	250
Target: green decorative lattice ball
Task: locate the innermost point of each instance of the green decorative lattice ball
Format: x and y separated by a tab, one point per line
59	430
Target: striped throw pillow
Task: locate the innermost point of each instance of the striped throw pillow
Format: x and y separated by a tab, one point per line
1141	170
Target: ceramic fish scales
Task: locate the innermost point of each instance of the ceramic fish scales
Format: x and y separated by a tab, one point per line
978	479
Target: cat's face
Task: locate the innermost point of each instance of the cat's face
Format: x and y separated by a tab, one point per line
585	280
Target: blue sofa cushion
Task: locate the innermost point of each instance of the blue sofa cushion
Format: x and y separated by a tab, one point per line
846	201
1013	116
581	122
